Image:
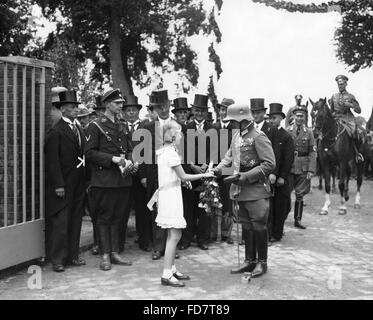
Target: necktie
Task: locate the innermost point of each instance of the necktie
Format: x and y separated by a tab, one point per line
132	127
298	130
200	127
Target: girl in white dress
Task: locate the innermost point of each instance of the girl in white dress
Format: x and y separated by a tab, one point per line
170	202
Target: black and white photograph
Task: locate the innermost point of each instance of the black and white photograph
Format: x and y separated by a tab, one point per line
170	151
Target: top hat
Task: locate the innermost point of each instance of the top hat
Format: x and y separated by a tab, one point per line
225	103
112	95
157	98
65	97
55	92
257	104
341	77
200	101
238	112
180	104
300	109
276	108
132	101
83	112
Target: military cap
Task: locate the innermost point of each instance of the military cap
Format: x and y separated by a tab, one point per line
238	112
341	77
112	95
300	109
226	102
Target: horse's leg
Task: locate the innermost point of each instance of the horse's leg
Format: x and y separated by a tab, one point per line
359	182
333	173
320	173
347	180
341	186
325	208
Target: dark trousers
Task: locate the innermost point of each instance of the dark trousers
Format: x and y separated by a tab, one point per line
188	204
280	206
93	215
300	184
142	214
112	208
254	217
63	230
202	222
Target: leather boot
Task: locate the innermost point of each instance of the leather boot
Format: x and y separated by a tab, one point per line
117	259
105	263
260	269
261	238
298	211
250	254
104	239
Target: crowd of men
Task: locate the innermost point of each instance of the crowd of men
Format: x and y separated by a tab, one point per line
90	164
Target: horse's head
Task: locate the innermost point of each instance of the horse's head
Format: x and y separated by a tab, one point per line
319	113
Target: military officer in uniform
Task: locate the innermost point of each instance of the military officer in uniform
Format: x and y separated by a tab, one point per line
109	151
341	104
131	110
253	159
65	184
304	166
283	148
289	120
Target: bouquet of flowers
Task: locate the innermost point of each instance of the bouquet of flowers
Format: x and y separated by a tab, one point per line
210	197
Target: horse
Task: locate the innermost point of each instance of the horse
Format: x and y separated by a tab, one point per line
335	149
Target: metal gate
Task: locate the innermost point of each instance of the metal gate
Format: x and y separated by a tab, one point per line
23	96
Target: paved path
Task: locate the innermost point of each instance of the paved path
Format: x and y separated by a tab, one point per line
331	259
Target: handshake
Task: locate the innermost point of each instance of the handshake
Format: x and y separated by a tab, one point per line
126	167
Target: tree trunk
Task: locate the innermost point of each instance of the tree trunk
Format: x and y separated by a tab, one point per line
119	78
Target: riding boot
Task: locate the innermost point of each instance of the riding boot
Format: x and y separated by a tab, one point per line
250	254
104	246
115	257
298	210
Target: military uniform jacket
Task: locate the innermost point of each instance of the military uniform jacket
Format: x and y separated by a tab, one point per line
253	155
64	165
283	148
100	150
305	150
337	104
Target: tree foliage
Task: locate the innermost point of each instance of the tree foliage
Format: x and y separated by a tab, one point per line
153	35
15	32
354	38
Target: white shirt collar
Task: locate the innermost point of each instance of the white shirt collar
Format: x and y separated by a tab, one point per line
162	122
199	123
259	125
69	121
224	124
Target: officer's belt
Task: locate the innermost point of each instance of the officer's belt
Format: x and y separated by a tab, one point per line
248	168
301	154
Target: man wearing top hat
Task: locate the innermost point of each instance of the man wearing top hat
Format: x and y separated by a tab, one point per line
148	172
131	110
258	110
283	148
251	158
109	151
181	112
65	184
225	130
341	104
304	165
198	129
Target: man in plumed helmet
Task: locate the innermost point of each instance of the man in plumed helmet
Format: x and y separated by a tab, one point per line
109	152
65	184
251	159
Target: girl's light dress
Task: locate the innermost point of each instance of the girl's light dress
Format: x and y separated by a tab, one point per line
170	200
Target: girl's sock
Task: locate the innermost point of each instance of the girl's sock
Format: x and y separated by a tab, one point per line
167	273
173	269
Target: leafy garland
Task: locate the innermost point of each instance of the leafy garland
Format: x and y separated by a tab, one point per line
210	197
304	8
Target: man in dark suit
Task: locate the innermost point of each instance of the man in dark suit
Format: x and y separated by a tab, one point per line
109	151
65	185
148	172
224	129
181	112
198	156
258	110
283	147
131	110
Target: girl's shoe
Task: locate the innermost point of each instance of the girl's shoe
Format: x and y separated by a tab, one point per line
173	282
180	276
